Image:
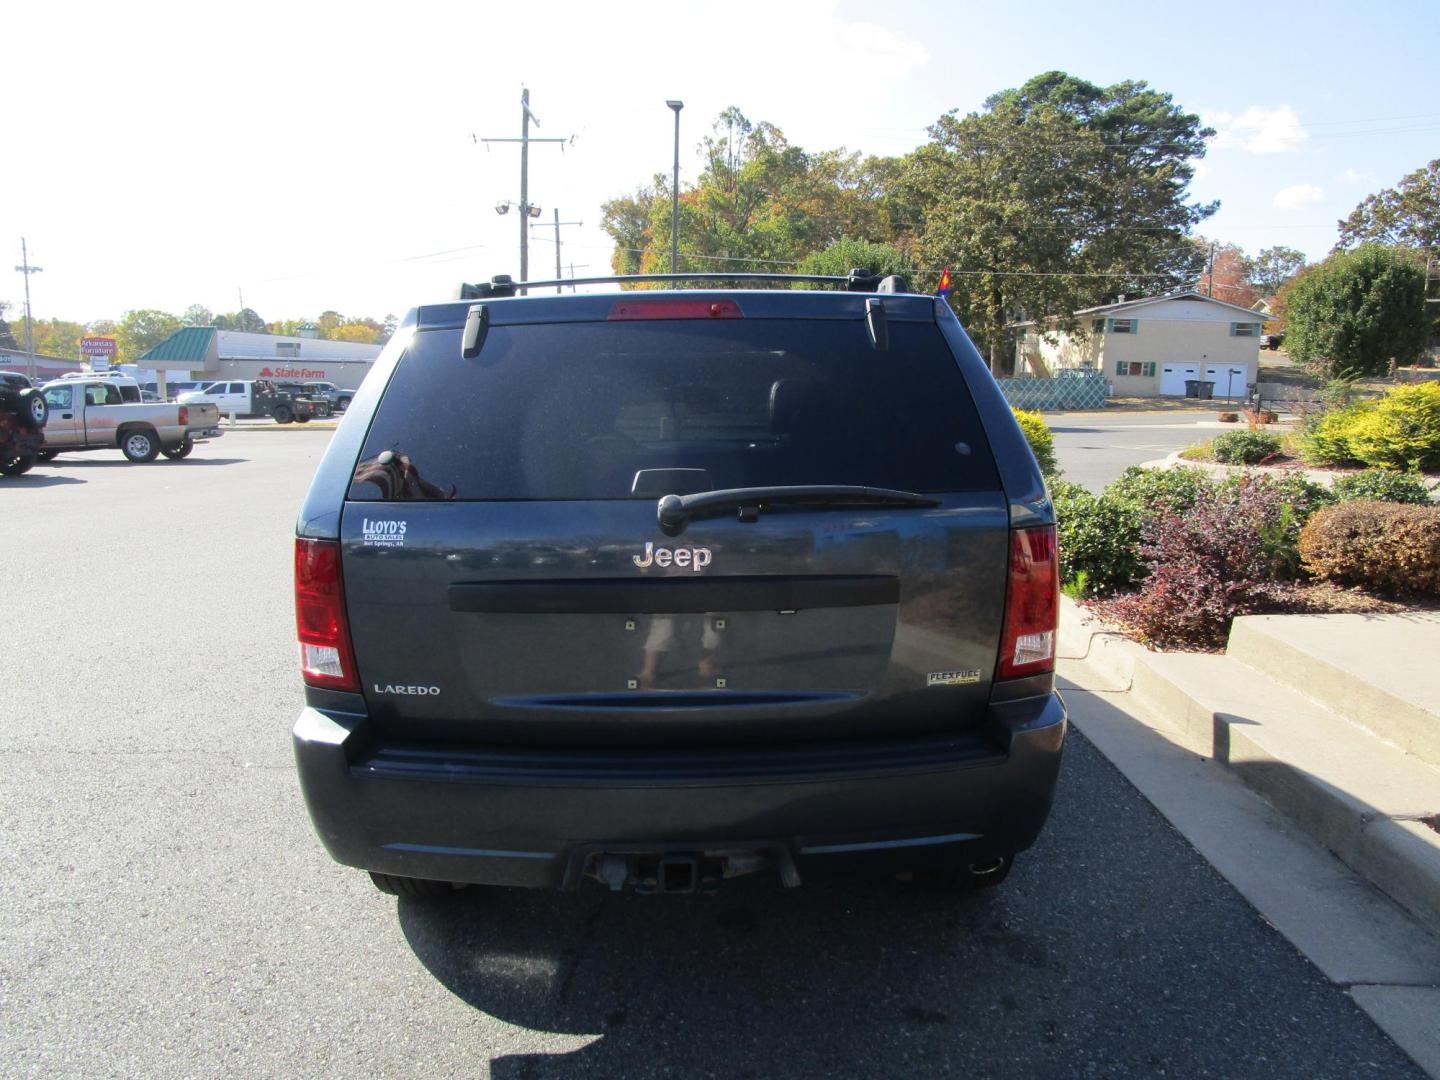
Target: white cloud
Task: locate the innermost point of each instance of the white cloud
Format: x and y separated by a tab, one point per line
1257	130
1353	177
1298	195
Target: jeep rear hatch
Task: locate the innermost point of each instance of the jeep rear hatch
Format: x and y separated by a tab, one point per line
838	570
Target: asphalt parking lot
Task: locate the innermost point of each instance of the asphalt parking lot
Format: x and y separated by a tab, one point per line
169	912
1093	448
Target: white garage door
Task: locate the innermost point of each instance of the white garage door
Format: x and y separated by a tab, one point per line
1173	376
1230	379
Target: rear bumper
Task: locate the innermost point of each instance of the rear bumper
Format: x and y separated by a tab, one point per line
512	816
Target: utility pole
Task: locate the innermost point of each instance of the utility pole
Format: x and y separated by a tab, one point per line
583	266
556	227
526	116
676	106
26	269
1210	277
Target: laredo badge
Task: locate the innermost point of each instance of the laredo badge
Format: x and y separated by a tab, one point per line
963	677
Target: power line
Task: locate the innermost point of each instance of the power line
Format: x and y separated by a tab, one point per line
526	118
556	226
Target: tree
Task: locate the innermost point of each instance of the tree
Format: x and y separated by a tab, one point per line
7	336
760	204
1227	273
627	220
358	332
1057	196
144	329
845	255
51	337
245	321
197	315
1356	311
1407	215
1273	267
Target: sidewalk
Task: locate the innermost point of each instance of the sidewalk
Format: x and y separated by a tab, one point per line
1304	764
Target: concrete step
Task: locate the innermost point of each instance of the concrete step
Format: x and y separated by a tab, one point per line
1380	672
1361	797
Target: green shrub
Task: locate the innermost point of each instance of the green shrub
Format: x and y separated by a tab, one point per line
1401	430
1398	431
1383	486
1206	565
1042	443
1327	438
1149	491
1098	541
1294	500
1387	547
1244	447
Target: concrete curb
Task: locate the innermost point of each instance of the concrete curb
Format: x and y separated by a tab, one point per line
1323	477
1349	790
1341	685
1084	637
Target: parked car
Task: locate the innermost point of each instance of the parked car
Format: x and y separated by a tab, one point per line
767	583
23	413
93	414
339	399
14	380
1272	342
261	397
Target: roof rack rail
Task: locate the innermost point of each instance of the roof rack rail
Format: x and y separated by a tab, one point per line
858	280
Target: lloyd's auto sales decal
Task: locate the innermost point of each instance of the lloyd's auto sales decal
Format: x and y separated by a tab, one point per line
382	533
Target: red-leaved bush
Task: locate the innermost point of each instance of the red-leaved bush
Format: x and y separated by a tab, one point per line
1209	564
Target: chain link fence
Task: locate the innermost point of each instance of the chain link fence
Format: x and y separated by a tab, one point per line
1078	391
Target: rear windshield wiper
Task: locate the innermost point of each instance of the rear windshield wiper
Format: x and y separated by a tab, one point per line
674	512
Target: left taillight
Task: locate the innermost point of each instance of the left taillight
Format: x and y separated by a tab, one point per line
184	415
1032	604
326	658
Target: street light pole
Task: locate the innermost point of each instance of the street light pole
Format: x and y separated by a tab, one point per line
26	269
675	192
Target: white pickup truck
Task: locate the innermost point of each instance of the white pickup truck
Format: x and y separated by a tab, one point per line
92	414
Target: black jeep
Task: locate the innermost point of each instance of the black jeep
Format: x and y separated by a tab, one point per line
23	413
657	588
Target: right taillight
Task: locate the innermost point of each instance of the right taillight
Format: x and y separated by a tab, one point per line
1032	604
184	415
325	655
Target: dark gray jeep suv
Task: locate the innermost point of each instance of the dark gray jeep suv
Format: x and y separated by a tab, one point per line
658	588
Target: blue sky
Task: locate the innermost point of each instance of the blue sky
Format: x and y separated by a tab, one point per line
321	156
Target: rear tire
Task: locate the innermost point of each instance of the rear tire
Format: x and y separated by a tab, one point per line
47	455
17	466
140	445
411	888
175	453
974	877
301	419
34	409
282	414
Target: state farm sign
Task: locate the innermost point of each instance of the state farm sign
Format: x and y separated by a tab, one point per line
97	346
292	373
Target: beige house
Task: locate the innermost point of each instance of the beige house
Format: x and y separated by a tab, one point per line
1150	347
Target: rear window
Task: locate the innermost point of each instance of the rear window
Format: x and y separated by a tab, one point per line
615	410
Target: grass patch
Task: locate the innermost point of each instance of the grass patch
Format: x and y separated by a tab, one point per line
1201	451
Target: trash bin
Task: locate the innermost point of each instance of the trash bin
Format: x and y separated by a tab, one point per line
1206	388
1192	387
